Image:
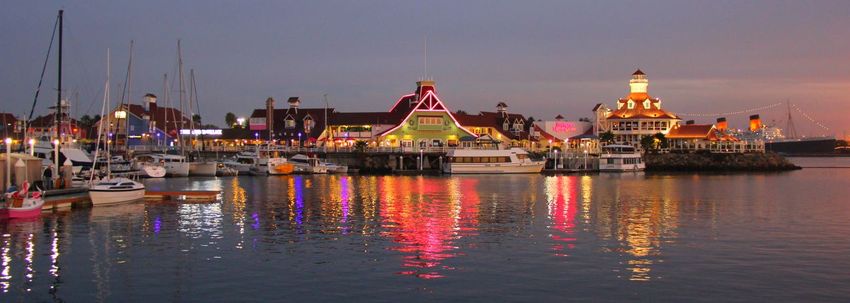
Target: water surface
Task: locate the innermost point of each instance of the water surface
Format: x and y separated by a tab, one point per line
610	237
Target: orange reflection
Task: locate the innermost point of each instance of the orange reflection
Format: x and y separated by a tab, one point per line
425	216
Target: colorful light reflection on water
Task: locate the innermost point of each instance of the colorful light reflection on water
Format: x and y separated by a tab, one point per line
444	237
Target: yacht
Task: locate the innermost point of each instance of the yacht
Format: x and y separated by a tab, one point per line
307	165
175	165
620	158
79	158
149	166
334	168
491	161
203	168
116	190
243	162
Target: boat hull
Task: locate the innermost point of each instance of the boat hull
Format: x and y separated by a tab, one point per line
105	197
207	169
26	212
802	146
151	171
496	168
177	169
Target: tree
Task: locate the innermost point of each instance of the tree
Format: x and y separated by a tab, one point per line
653	142
86	121
461	112
661	141
584	119
360	145
230	119
647	143
606	137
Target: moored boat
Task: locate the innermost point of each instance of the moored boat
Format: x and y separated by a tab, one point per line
620	158
23	203
116	190
491	161
203	168
280	166
306	165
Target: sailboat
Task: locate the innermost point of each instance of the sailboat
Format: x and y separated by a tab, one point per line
175	165
111	190
200	167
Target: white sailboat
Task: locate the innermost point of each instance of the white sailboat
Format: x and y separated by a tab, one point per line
111	190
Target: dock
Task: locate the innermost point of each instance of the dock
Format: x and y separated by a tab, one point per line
189	196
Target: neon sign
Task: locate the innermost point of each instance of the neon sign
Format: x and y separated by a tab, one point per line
195	132
563	127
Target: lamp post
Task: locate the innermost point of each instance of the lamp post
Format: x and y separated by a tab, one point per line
299	139
421	158
32	147
8	162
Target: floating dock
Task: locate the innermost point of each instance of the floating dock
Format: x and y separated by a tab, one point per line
190	196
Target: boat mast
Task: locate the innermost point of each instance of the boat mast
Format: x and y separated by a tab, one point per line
129	96
181	94
191	109
58	118
106	100
167	105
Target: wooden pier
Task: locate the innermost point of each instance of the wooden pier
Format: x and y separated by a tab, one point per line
189	196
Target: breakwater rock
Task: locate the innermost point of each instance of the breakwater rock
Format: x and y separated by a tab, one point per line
717	162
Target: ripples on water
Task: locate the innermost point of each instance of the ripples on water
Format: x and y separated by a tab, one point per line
387	238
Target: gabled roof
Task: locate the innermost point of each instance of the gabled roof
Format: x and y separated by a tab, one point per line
428	102
495	121
639	111
172	114
545	135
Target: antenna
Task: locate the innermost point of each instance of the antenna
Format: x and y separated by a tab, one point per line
426	57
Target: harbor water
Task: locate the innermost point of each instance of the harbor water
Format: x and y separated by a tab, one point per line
602	237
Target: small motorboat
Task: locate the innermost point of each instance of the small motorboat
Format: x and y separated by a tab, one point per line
224	171
116	190
24	204
280	166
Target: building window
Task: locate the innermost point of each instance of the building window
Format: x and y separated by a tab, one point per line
505	125
646	104
631	104
430	120
290	123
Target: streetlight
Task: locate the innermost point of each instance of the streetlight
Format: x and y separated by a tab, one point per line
299	139
421	158
56	158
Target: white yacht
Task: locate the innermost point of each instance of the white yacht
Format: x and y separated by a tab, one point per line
175	165
149	166
243	162
79	158
491	161
307	165
620	158
116	190
334	168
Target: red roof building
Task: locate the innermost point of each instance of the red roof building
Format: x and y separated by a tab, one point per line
636	115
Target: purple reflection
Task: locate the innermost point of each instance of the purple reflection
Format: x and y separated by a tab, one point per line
343	184
157	224
256	224
299	200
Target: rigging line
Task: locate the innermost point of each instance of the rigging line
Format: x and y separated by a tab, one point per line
805	115
732	112
43	69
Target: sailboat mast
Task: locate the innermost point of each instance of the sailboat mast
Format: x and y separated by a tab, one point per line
180	96
57	121
191	109
129	96
106	93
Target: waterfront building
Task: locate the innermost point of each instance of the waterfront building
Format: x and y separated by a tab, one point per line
635	116
150	125
708	137
290	126
577	136
506	129
9	126
426	122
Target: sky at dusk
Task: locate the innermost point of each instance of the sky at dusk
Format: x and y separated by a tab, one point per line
541	57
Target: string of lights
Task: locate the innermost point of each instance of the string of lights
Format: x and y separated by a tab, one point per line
805	115
739	112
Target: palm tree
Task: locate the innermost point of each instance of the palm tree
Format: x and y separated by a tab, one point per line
230	119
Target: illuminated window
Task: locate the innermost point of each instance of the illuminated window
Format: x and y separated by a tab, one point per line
631	104
290	123
430	120
120	114
646	104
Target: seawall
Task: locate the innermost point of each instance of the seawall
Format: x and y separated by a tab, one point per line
717	162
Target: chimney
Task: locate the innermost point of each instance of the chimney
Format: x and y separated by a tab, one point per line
270	115
689	122
755	123
721	124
